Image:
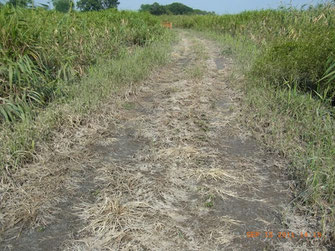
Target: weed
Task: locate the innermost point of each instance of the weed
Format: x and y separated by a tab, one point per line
196	72
129	106
210	201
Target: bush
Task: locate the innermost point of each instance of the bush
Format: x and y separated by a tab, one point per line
301	61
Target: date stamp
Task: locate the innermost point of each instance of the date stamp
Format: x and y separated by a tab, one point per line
284	235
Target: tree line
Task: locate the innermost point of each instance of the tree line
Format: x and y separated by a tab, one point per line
67	5
172	9
96	5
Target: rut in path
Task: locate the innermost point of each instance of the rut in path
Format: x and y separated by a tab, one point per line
169	168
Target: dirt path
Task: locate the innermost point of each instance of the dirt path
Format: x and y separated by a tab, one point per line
167	167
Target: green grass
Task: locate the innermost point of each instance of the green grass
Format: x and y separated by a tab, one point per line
284	64
19	141
41	50
125	57
210	201
129	106
297	47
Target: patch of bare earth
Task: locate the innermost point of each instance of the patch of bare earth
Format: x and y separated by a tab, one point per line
167	167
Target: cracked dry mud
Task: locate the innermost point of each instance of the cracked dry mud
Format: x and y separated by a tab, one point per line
166	167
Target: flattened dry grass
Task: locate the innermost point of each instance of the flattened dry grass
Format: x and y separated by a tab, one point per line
296	125
29	194
285	67
145	198
166	196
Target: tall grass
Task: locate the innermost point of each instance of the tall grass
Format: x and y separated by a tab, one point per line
40	48
287	58
298	46
54	66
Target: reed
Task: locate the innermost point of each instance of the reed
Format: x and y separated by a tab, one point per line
40	48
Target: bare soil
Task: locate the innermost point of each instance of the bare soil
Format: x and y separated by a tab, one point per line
165	166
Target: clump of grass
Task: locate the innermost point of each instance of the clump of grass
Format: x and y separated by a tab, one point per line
196	71
301	62
210	201
129	106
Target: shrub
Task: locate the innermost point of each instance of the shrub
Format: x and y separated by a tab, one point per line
301	61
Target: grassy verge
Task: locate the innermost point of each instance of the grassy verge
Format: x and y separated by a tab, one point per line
41	50
55	66
284	65
297	45
20	140
292	123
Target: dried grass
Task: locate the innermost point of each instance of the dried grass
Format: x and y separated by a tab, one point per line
153	198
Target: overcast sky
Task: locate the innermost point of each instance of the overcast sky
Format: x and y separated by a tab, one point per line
219	6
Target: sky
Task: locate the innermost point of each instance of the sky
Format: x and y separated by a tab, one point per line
218	6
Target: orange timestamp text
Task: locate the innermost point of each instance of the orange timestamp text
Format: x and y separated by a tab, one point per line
283	235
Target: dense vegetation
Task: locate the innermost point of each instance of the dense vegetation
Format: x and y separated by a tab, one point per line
66	5
40	48
299	46
96	5
171	9
63	5
288	58
52	61
18	3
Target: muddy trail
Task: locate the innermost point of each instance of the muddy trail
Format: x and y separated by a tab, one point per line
165	166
